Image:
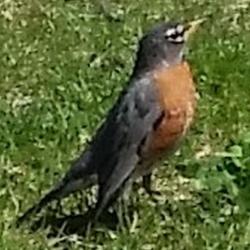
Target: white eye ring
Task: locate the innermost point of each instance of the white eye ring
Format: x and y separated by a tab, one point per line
170	32
180	28
179	39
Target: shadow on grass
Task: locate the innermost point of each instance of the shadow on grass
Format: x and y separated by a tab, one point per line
81	224
73	224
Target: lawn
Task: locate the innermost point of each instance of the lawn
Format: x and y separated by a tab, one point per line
62	65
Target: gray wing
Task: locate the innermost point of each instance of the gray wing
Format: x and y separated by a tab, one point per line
116	146
113	152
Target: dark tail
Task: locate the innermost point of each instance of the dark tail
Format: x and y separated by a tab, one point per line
37	207
80	176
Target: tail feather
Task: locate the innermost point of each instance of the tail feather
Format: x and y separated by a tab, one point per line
62	190
80	176
38	207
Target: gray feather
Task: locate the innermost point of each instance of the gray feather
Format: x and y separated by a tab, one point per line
113	153
121	137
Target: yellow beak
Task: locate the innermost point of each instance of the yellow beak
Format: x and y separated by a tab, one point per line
191	27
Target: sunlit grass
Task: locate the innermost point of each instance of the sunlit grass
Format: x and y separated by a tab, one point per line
62	66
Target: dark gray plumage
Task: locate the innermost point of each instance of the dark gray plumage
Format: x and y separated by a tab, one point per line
111	157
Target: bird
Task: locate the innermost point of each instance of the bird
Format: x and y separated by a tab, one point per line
147	123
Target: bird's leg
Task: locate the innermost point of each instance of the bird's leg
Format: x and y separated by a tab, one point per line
125	203
147	185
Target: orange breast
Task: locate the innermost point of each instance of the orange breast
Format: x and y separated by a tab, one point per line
176	91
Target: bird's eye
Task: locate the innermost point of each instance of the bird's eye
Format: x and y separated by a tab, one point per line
175	34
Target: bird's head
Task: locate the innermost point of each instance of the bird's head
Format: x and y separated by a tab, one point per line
164	44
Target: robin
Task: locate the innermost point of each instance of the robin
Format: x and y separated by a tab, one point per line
148	121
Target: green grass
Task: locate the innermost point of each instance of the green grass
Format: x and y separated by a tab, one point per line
62	65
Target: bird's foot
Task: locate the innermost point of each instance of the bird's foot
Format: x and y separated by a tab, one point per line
147	184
